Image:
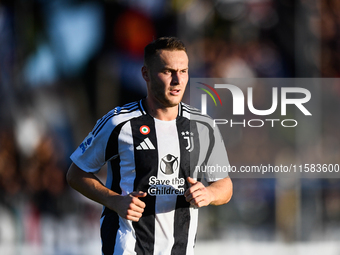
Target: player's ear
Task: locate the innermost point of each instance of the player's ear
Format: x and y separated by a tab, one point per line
145	74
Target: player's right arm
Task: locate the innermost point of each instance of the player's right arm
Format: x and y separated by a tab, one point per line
129	207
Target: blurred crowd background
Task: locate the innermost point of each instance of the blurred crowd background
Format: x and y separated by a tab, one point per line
65	63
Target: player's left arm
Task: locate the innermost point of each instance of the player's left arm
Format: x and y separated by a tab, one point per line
217	193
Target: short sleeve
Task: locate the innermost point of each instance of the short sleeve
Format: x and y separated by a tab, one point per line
90	154
218	162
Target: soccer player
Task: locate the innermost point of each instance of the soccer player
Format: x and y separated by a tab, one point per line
152	148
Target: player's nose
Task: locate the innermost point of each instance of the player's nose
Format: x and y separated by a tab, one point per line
175	78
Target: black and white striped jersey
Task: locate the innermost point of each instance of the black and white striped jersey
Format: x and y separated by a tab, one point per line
146	154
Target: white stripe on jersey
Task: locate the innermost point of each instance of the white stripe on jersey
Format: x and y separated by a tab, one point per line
192	230
126	152
165	205
126	238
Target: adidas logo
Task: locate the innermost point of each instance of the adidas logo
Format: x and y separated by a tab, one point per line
145	145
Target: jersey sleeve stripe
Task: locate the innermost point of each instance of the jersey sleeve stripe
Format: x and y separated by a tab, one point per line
141	107
190	109
130	104
115	111
109	116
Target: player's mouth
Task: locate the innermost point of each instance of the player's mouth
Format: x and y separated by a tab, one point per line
175	92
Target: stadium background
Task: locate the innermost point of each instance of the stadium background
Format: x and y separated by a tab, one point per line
63	64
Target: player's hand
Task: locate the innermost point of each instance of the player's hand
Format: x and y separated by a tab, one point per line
130	207
198	195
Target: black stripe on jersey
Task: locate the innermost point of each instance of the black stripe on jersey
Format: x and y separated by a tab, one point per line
180	110
123	110
204	120
146	164
110	223
187	166
210	147
108	231
211	140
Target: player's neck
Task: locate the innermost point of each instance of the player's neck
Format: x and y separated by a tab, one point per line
161	113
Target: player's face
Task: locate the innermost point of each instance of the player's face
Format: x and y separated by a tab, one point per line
167	78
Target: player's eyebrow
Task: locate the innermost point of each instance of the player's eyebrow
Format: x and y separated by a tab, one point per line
174	70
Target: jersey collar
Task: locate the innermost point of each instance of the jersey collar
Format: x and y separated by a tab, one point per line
143	111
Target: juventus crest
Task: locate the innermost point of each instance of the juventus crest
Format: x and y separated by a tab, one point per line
189	137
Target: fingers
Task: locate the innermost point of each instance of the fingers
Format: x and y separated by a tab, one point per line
197	195
134	207
195	185
134	212
136	201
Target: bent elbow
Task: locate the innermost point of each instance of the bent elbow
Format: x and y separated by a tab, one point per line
70	176
230	191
